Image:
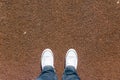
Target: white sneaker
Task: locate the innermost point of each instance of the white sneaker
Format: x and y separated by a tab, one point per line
47	58
71	58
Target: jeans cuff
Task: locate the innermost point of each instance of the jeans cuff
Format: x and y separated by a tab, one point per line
46	68
70	69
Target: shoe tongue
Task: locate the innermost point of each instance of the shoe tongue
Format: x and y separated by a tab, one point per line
71	60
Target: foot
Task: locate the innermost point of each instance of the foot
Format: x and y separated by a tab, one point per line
47	58
71	58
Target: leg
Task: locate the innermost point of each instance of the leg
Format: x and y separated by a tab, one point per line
70	74
48	73
47	63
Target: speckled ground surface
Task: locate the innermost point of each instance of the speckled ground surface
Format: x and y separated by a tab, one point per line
92	27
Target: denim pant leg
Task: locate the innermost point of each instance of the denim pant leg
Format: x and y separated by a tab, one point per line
48	73
70	74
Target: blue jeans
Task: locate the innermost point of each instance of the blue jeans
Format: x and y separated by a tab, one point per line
48	73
